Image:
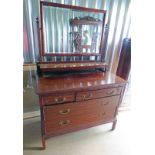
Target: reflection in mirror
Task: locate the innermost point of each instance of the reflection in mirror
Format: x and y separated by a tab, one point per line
71	31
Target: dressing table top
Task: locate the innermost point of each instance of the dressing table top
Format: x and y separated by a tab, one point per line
70	83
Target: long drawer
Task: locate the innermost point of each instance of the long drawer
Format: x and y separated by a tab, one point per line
87	95
80	108
58	125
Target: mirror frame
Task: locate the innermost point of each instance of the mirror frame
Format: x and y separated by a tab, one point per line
42	50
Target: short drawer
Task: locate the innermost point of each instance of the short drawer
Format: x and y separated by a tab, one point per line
58	125
82	96
80	108
58	99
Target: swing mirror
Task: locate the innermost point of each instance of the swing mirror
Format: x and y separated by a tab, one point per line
71	30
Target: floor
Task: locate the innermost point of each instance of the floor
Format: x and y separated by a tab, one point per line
93	141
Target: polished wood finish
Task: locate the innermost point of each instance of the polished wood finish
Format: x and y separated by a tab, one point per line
102	52
81	82
99	57
85	22
42	33
74	64
85	107
78	8
81	127
39	39
71	66
72	54
58	99
59	125
66	104
88	95
72	102
71	7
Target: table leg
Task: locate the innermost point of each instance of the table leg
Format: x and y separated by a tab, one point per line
114	125
43	143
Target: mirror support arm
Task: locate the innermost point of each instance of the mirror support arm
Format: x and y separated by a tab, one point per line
39	41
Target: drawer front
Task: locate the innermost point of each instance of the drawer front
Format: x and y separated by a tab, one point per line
58	99
58	125
82	96
80	108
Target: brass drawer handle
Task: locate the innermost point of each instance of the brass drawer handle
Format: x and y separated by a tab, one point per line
65	122
88	96
106	103
110	93
64	112
60	100
103	114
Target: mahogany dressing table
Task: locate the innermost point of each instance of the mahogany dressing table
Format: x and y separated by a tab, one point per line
75	89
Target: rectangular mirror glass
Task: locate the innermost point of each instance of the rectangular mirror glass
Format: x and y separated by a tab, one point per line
71	31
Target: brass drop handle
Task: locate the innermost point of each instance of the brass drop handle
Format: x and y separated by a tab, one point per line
110	93
88	96
60	100
65	122
64	112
